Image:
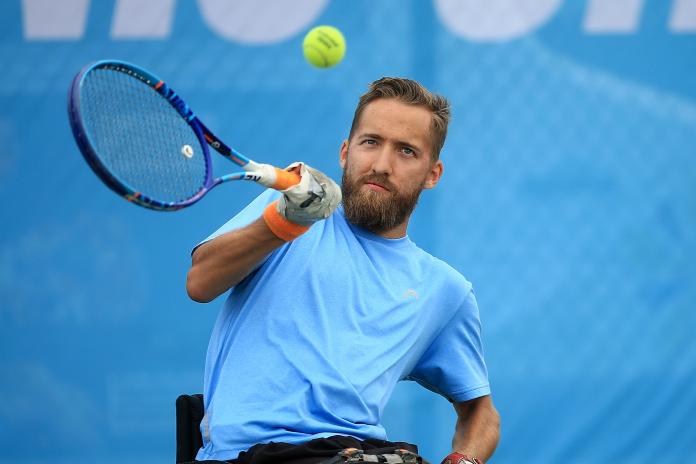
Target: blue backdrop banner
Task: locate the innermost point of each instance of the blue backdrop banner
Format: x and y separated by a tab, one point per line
568	199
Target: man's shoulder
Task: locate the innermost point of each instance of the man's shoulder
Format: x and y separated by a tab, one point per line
444	272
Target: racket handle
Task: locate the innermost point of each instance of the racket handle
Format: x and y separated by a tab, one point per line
285	179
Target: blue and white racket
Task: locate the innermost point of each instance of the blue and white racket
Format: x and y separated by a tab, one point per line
145	143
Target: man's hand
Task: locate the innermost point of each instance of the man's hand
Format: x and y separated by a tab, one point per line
313	199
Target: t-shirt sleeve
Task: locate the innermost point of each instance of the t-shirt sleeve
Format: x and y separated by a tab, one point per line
249	214
453	365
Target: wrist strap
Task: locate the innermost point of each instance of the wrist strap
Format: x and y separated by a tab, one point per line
281	227
458	458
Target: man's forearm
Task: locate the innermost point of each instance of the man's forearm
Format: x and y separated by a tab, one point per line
478	429
223	262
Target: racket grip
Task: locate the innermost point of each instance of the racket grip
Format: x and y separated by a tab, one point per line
285	179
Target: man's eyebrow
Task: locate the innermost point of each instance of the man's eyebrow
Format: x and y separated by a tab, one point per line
407	144
371	136
401	143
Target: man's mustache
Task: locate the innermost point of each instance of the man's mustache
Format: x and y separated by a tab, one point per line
379	179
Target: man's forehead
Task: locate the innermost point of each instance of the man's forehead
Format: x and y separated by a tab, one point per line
391	118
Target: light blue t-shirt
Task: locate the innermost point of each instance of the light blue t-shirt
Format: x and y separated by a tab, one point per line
312	342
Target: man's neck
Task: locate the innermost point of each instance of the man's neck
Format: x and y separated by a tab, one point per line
397	232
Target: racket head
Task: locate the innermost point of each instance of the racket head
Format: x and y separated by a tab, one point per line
138	136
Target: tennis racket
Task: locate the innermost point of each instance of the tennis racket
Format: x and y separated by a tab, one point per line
145	143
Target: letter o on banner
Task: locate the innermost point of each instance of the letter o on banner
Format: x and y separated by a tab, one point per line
254	22
494	20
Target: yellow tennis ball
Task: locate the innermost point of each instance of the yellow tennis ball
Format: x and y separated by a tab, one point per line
324	46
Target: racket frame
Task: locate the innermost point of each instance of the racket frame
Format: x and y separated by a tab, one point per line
264	174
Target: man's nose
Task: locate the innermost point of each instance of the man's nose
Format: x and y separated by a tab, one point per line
381	164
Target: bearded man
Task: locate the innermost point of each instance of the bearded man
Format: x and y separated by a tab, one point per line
331	305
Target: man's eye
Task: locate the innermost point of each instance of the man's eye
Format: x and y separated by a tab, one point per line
407	151
369	142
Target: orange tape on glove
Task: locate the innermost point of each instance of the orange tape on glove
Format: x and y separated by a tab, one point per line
281	227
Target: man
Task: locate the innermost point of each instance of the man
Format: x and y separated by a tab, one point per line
329	309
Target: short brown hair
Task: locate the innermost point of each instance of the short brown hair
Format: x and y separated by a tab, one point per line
410	92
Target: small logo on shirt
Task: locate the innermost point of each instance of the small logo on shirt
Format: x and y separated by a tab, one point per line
411	293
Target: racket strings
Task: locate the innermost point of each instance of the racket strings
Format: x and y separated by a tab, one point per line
140	138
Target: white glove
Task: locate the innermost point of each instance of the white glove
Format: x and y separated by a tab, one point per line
313	199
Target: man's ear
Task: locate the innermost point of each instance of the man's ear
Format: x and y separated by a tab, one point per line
343	154
434	174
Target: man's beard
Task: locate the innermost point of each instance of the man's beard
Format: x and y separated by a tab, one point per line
377	211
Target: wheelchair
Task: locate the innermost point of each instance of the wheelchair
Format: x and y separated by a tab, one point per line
189	414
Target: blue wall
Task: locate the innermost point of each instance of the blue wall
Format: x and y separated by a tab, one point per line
569	199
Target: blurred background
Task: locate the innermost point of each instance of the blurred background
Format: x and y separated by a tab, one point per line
569	200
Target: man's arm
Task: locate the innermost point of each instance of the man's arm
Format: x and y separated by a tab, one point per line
220	264
478	428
